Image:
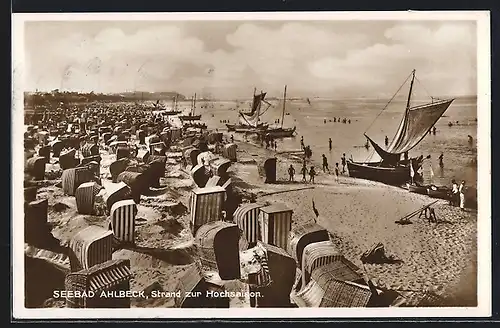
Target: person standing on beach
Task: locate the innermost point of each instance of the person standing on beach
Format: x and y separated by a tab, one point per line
337	172
312	174
454	193
304	171
291	173
386	141
302	142
441	164
461	190
434	130
325	164
330	144
471	141
344	162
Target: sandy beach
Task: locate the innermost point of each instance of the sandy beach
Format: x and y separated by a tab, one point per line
436	257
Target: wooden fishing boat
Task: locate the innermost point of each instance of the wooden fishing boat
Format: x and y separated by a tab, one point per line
240	128
414	126
280	132
191	116
417	189
249	122
439	192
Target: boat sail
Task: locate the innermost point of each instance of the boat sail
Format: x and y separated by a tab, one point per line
280	132
251	120
414	126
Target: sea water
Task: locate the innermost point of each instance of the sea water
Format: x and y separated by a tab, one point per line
369	116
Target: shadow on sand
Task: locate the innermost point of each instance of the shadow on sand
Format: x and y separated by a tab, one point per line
180	256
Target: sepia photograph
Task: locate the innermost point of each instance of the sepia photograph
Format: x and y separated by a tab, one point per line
313	164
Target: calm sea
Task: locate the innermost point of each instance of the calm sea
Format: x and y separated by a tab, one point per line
459	156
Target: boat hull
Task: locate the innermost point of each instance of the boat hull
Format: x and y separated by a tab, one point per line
280	132
245	128
417	189
398	175
190	117
439	192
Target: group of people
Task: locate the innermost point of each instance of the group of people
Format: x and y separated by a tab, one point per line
304	171
311	171
335	120
458	194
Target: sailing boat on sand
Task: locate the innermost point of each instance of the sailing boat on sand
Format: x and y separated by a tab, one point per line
414	126
250	121
280	132
173	110
191	116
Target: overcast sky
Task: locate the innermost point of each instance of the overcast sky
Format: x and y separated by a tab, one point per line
229	58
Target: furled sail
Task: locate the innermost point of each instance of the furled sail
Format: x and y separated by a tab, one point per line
414	126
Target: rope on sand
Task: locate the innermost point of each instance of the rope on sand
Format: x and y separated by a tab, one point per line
283	191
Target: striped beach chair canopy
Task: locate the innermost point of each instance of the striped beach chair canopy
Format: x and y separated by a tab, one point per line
303	235
108	274
199	175
316	255
329	287
115	144
92	245
113	275
35	166
74	177
246	217
229	151
218	245
122	215
220	166
282	267
275	223
85	196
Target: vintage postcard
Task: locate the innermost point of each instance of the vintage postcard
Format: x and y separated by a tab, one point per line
312	164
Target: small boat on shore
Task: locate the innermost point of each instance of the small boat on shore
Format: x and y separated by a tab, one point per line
191	116
280	132
417	189
240	128
439	192
414	126
249	122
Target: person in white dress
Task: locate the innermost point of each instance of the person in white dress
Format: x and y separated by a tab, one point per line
461	190
454	193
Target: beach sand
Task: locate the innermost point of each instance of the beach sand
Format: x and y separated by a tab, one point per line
435	257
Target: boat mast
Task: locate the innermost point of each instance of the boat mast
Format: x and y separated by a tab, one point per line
284	104
194	104
409	100
411	88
